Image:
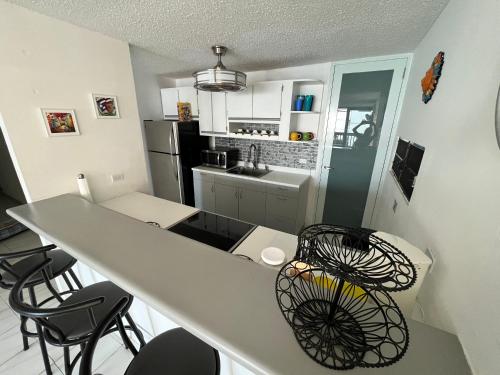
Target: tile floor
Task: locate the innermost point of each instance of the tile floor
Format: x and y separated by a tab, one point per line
110	358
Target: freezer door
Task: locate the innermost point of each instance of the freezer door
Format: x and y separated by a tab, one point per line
162	136
165	174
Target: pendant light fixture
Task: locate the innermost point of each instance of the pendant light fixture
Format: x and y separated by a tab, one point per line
219	78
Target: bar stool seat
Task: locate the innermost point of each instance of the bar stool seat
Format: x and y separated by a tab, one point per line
77	326
61	262
175	352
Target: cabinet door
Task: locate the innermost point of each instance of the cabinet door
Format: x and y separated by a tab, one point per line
219	117
239	104
281	212
226	200
205	111
204	195
267	100
252	206
189	94
169	99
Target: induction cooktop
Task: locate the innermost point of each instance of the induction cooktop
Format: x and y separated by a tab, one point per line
215	230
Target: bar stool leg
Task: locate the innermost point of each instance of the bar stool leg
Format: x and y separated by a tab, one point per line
41	340
67	361
75	279
123	333
136	330
23	328
68	283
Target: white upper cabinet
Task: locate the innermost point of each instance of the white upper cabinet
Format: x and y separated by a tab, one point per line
267	100
205	111
190	95
239	104
213	117
169	99
219	116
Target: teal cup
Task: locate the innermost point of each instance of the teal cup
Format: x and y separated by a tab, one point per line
308	102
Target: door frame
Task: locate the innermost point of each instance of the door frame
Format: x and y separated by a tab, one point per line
401	65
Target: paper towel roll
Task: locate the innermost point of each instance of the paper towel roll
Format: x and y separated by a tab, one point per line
83	187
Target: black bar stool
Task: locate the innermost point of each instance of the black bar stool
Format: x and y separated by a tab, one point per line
75	319
11	272
175	352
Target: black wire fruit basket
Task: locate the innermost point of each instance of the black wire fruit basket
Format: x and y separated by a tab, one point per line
334	296
357	255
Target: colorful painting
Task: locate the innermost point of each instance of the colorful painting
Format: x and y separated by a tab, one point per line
60	122
106	106
431	78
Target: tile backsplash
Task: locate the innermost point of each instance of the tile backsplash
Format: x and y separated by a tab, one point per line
283	154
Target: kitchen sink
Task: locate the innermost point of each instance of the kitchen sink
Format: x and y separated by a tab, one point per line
246	171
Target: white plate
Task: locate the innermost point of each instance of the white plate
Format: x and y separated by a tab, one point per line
273	256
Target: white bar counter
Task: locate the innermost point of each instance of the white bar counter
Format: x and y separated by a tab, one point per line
223	299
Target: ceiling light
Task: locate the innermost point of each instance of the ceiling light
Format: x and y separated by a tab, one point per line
219	78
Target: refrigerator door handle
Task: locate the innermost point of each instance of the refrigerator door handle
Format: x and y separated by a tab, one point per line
170	140
174	167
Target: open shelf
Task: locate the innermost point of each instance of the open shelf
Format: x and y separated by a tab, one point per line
257	137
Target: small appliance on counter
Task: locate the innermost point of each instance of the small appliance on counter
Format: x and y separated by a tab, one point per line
174	147
220	157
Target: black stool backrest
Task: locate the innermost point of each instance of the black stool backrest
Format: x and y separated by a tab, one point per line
6	266
42	315
88	353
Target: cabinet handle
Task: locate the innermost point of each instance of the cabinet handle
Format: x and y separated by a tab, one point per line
281	198
236	194
241	195
213	188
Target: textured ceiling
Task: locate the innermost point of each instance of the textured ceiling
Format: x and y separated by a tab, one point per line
261	34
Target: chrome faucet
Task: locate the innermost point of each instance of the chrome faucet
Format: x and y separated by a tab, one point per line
254	161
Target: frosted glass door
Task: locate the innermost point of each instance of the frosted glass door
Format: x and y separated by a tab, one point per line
358	132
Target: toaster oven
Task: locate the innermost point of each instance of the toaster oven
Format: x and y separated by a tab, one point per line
220	157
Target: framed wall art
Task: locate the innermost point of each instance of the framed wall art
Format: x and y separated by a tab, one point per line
105	106
60	122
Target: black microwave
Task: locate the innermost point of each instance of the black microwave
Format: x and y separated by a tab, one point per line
220	157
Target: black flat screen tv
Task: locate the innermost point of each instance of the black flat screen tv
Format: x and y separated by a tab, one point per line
406	165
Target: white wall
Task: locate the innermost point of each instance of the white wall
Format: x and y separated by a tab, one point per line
455	207
52	64
146	67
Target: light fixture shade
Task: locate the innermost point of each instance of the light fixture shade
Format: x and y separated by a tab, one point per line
219	78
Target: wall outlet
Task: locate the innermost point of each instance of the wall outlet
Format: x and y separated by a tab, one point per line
117	177
302	161
430	254
395	206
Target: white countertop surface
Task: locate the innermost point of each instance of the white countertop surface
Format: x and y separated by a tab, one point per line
274	177
145	207
225	300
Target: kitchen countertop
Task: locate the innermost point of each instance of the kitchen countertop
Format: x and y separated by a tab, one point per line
225	300
145	207
274	177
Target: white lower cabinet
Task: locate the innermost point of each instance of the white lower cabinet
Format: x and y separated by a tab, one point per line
275	206
204	191
240	200
252	206
226	200
281	213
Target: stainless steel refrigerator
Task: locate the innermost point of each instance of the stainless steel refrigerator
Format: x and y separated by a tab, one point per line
173	149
